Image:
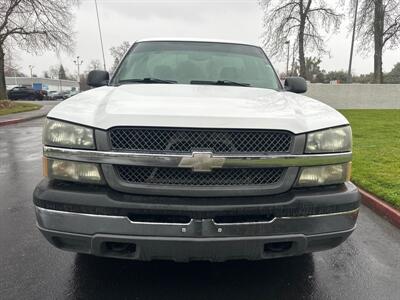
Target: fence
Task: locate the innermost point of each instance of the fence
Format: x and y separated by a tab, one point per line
361	96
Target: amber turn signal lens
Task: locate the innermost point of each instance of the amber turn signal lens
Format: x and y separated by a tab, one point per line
74	171
323	175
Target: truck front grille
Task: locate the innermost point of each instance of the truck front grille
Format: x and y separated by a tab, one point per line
186	177
186	140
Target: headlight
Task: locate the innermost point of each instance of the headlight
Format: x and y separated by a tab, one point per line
324	175
72	171
62	134
329	140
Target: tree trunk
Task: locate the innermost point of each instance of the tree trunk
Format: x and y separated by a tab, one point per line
3	90
302	59
379	15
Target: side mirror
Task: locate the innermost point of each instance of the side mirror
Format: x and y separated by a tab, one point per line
296	85
97	78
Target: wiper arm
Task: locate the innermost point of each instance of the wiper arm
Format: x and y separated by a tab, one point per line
146	80
220	82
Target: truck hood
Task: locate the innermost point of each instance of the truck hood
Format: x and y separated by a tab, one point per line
201	106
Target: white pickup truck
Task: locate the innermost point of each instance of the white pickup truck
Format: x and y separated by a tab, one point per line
194	150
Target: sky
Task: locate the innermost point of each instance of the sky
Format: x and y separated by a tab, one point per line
129	20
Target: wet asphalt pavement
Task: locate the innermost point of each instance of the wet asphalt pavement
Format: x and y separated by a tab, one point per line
366	266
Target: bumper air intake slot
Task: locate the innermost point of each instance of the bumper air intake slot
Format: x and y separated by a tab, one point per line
151	218
243	219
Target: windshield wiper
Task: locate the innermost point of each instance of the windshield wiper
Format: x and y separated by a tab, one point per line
145	80
220	82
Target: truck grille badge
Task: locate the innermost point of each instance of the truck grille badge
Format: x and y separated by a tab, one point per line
202	162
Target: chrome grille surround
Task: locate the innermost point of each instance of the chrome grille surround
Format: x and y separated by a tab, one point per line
192	175
187	140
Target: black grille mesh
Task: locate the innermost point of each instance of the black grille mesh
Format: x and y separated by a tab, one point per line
186	177
185	140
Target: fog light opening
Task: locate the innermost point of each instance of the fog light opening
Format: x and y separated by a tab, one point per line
277	247
120	248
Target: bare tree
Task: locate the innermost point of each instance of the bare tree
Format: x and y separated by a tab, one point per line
60	72
94	64
301	20
378	27
34	25
118	52
11	67
54	71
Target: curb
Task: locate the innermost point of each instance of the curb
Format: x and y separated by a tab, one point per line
15	121
381	208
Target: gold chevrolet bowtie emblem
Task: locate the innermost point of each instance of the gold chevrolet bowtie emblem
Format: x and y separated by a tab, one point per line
202	162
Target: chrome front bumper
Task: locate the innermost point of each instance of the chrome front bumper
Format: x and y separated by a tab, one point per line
196	240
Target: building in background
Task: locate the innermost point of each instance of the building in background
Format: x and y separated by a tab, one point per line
46	84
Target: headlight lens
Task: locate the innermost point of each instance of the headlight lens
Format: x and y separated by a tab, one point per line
329	140
62	134
72	171
324	175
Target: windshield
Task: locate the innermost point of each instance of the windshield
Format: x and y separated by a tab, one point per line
197	63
